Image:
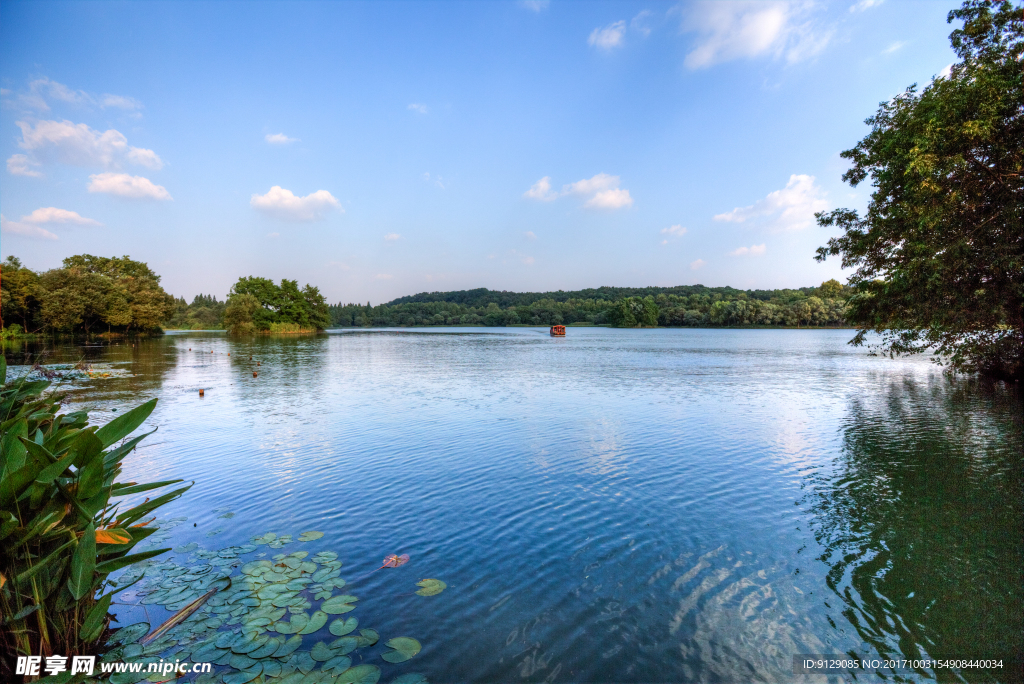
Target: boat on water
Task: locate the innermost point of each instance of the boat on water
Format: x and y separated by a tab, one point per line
558	331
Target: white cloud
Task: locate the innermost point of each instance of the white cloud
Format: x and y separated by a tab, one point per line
273	235
602	188
79	145
284	205
676	230
530	235
20	165
541	190
608	37
694	265
416	107
391	237
535	5
24	229
123	185
865	4
639	23
946	72
42	91
55	215
279	139
745	29
791	208
893	47
753	250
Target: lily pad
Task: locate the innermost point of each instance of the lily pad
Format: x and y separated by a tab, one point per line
187	548
310	536
404	649
339	604
288	647
345	645
321	652
360	674
130	633
430	587
341	627
244	676
317	620
410	678
368	637
269	648
337	665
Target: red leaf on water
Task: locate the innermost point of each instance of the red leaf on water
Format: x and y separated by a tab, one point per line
394	561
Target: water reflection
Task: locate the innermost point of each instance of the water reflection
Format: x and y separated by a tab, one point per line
921	522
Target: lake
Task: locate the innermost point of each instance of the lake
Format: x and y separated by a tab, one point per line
616	506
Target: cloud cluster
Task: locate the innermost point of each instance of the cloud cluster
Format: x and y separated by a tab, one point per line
608	37
673	231
124	185
391	237
31	225
694	265
418	108
535	5
42	92
753	250
745	29
285	205
77	145
602	191
865	4
279	139
791	208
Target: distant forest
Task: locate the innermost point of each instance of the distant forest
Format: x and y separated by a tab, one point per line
683	305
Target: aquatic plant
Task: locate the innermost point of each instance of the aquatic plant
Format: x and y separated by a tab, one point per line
257	619
63	530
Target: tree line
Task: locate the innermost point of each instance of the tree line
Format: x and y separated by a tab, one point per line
682	306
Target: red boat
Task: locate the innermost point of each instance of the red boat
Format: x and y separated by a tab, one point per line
558	331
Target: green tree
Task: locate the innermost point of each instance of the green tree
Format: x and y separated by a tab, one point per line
939	256
19	294
241	314
634	312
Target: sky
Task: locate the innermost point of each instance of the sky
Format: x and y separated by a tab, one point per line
382	149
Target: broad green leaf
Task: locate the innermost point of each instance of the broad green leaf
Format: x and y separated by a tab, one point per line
345	645
95	620
269	648
310	536
341	627
321	652
243	676
288	647
367	637
316	621
337	665
430	587
83	564
117	563
410	678
130	633
360	674
137	489
404	648
339	604
125	424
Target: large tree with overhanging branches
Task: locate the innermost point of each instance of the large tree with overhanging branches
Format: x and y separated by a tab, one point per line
938	255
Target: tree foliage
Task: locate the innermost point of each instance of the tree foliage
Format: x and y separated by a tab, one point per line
257	304
87	294
634	312
938	255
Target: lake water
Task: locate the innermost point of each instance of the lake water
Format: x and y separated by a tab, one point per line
614	506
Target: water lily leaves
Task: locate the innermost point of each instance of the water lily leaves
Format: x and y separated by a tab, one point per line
321	652
132	633
244	676
293	626
360	674
247	642
316	621
272	591
256	567
339	604
337	665
325	556
345	645
187	548
394	561
303	661
310	536
367	637
431	587
341	627
269	647
265	539
288	647
410	678
404	649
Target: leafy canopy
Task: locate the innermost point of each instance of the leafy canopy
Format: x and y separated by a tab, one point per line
938	255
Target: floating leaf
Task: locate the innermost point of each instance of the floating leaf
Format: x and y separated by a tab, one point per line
360	674
337	665
310	536
316	621
341	627
132	633
394	561
345	645
431	587
321	652
405	648
339	604
410	678
240	661
367	637
288	647
244	676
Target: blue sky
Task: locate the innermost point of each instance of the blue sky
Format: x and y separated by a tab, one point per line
383	149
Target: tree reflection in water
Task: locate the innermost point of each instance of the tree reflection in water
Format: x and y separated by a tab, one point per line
921	521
